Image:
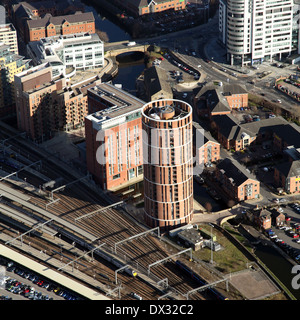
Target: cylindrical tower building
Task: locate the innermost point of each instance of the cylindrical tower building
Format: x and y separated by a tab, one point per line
238	29
168	163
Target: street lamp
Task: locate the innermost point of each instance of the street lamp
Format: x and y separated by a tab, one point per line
211	243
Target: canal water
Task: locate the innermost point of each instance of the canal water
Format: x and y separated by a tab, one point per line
130	66
103	22
279	266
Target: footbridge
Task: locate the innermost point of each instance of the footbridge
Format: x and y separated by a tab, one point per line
113	49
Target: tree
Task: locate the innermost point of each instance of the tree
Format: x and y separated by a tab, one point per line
230	203
208	206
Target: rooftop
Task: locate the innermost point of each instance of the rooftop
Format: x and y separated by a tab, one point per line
121	103
230	128
215	95
234	171
170	111
33	69
155	79
206	134
59	20
292	152
7	27
289	169
192	235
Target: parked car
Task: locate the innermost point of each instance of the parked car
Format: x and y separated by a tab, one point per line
40	283
56	290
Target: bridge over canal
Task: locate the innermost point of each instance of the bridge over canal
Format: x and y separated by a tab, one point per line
113	49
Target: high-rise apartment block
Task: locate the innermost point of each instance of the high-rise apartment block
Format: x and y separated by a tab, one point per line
113	136
10	64
296	27
46	104
255	30
168	163
38	114
8	36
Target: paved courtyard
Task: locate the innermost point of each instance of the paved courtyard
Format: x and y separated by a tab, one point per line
253	284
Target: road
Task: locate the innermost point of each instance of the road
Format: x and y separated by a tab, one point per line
203	41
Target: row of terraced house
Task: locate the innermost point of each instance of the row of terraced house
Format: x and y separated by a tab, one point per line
37	20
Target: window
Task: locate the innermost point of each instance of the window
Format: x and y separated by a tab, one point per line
131	173
140	169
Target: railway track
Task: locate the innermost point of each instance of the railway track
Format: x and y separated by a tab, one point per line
97	270
109	226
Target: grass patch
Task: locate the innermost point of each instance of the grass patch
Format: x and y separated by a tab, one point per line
228	259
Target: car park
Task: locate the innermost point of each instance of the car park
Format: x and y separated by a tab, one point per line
23	289
289	231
